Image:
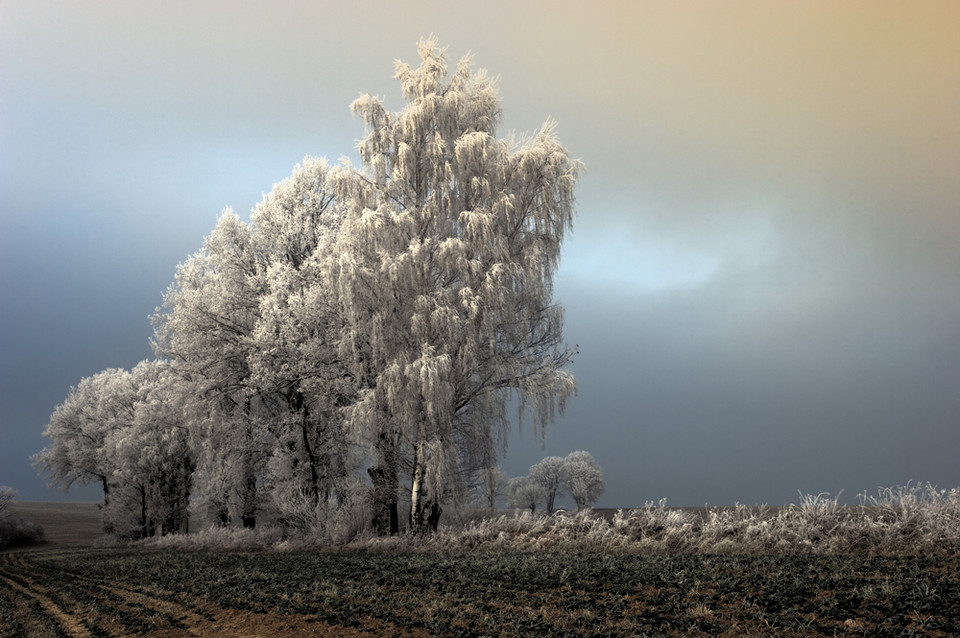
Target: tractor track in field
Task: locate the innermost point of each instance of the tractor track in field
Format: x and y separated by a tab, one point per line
103	593
21	590
78	606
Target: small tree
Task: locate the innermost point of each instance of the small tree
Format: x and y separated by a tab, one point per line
548	474
525	493
582	478
7	494
14	531
81	429
492	485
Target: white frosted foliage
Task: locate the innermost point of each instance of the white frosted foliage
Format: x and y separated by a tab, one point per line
457	235
368	326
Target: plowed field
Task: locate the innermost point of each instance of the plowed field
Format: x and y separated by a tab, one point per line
88	592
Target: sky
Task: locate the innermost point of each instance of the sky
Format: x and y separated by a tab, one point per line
763	276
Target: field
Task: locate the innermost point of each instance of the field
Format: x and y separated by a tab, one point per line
70	523
392	590
87	592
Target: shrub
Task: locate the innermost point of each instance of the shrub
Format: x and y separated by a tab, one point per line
920	517
14	530
17	532
231	539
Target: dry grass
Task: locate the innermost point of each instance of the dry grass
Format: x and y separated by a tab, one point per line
912	519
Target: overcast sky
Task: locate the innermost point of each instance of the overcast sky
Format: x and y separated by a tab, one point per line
764	274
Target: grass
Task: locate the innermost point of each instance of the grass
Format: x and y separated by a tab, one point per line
914	519
918	519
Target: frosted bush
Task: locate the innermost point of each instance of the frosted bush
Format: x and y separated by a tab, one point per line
14	530
724	529
655	522
921	517
232	539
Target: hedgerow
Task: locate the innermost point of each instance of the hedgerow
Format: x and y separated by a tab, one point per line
910	519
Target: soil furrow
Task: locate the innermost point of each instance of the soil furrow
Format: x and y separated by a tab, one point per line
168	618
70	625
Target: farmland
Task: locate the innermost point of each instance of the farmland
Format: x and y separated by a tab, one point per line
814	570
116	592
71	523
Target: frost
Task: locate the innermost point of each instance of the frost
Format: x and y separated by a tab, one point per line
368	322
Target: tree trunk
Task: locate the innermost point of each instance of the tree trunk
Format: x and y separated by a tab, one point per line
297	402
386	485
386	517
144	529
184	504
416	490
393	511
424	509
248	514
551	496
105	523
222	511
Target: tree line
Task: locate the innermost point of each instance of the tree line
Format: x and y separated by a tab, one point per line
357	343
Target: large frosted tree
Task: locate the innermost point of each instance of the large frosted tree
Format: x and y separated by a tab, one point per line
204	330
448	251
294	357
251	323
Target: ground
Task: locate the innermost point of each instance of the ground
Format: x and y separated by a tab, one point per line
68	589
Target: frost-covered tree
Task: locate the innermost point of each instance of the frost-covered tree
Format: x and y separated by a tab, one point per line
492	484
582	478
79	430
525	493
204	330
449	246
253	324
482	489
154	458
295	358
548	474
378	318
125	431
7	496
